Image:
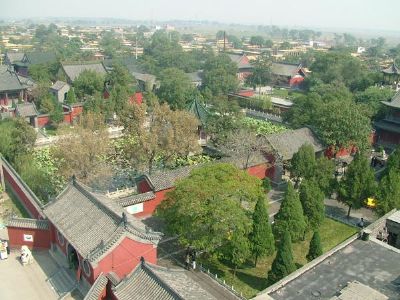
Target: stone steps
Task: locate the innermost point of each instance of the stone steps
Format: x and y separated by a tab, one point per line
62	282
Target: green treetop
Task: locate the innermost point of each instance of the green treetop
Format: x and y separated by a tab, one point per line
389	192
261	237
312	200
290	215
283	264
315	247
211	204
358	183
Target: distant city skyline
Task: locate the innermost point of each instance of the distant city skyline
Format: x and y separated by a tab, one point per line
354	14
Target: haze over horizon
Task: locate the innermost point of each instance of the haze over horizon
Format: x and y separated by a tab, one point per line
355	14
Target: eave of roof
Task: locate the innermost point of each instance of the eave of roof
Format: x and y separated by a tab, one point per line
28	223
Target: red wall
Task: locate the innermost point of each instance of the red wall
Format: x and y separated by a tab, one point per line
260	171
150	206
143	186
124	258
68	118
21	195
41	238
77	110
246	93
43	120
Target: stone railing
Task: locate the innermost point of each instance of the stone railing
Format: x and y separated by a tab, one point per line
222	282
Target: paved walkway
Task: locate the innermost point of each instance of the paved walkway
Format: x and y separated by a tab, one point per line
28	282
332	208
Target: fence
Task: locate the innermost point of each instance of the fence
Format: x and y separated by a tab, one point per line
221	282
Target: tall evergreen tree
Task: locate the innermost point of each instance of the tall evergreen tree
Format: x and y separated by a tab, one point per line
71	98
315	247
358	183
312	201
290	216
283	264
389	192
303	163
261	238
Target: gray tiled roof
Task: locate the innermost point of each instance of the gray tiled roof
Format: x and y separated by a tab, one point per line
394	102
177	279
283	69
135	199
238	60
26	82
148	282
97	288
144	77
9	80
39	57
27	109
14	56
73	71
28	223
58	85
92	223
167	179
288	143
392	69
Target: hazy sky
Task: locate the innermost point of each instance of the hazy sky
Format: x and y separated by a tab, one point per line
358	14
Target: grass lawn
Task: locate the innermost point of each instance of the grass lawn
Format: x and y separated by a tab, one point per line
250	280
11	204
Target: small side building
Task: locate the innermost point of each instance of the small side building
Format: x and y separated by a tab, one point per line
60	89
288	75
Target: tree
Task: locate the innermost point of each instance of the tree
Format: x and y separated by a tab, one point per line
312	201
88	83
262	73
236	42
371	99
175	88
388	196
82	152
17	138
257	40
315	247
71	98
39	72
110	44
161	133
357	184
220	35
206	209
302	164
283	263
243	144
220	75
57	116
343	124
285	45
238	249
224	118
47	104
324	174
290	216
393	162
261	237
